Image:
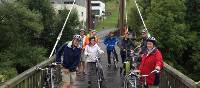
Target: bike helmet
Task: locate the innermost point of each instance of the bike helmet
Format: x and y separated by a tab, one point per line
151	39
144	31
94	31
82	30
77	37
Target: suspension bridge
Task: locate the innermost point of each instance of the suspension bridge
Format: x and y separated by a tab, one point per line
32	78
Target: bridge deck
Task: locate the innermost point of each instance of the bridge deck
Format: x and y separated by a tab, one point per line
112	76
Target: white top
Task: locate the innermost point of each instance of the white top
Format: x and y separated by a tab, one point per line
92	53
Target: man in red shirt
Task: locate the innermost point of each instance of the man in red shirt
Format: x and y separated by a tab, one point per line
151	60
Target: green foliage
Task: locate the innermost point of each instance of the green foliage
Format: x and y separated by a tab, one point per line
175	24
28	31
135	21
16	21
71	27
19	26
111	21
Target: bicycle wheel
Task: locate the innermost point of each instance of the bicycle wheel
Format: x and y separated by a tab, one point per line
125	83
55	77
115	62
100	77
132	82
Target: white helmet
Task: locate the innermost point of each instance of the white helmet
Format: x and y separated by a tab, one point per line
82	29
151	39
77	37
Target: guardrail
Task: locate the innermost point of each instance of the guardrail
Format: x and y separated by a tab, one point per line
31	78
172	78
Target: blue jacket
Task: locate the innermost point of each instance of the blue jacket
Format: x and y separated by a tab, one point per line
71	56
110	42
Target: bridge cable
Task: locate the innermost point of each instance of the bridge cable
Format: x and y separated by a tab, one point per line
60	34
142	18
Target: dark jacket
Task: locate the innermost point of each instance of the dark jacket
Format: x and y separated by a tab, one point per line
71	56
126	44
143	46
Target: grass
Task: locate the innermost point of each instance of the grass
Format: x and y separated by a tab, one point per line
112	20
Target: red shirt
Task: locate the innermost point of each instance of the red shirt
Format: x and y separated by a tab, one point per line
149	63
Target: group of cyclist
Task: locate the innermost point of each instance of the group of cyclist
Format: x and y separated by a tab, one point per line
80	55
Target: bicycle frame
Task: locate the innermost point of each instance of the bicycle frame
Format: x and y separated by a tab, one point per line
99	72
49	75
140	76
114	58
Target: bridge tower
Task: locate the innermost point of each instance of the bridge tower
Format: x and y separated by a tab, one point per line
121	20
89	15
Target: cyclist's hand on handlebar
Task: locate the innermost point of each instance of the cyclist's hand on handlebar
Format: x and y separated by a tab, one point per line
157	68
137	71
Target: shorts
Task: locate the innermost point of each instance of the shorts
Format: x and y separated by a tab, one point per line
68	77
82	57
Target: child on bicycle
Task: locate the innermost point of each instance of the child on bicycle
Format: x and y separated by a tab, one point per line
110	41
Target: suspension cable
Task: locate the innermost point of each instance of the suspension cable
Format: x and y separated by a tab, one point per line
60	34
141	16
126	11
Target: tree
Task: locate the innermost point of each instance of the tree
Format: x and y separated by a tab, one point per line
48	18
71	27
193	20
135	21
176	31
19	26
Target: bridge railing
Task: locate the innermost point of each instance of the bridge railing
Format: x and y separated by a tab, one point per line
31	78
172	78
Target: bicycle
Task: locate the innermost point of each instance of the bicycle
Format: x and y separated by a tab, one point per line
115	62
52	76
99	71
129	65
131	80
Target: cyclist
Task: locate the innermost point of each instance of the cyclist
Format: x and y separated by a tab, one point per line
81	68
151	60
143	47
125	45
71	53
110	43
92	51
93	33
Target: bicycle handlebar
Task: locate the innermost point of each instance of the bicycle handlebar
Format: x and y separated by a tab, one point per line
49	66
138	75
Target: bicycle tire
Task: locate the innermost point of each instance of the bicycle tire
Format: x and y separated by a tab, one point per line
125	83
114	60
